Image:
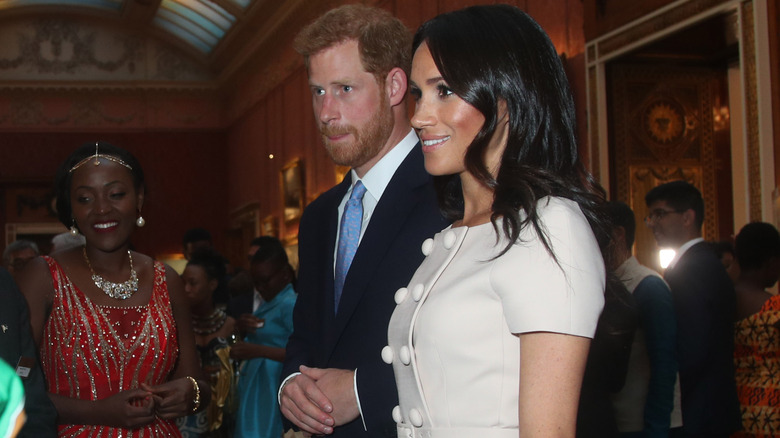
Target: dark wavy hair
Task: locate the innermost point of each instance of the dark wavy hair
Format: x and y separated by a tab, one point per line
497	53
213	265
756	244
621	215
63	177
681	196
271	250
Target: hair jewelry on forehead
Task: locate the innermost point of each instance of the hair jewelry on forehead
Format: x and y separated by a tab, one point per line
97	157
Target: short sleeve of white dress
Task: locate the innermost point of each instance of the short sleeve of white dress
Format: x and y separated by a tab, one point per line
539	294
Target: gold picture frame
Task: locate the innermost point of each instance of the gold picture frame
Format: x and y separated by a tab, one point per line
341	172
270	227
292	192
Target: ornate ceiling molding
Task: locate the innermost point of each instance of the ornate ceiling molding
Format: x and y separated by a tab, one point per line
82	52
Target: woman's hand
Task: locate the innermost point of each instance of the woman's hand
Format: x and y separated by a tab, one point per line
172	399
249	323
129	409
245	350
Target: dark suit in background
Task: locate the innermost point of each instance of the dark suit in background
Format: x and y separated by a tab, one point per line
240	304
388	255
16	342
705	306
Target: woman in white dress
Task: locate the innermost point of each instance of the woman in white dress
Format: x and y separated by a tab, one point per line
491	336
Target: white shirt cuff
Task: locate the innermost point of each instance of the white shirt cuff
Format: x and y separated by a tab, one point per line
281	387
354	386
357	398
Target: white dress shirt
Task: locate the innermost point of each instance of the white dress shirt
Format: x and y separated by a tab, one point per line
376	181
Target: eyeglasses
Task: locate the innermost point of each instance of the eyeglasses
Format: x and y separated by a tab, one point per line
657	215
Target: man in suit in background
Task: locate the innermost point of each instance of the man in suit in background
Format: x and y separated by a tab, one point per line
19	351
704	303
358	59
17	254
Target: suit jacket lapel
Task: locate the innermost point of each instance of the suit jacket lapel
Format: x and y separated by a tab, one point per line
672	270
398	199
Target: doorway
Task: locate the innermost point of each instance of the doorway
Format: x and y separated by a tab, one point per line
673	96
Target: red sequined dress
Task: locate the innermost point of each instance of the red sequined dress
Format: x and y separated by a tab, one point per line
757	370
91	352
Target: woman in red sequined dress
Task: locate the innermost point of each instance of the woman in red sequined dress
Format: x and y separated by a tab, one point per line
112	325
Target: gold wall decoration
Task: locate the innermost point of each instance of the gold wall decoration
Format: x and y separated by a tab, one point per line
662	130
270	226
751	111
340	172
81	50
293	199
740	29
661	116
664	122
593	120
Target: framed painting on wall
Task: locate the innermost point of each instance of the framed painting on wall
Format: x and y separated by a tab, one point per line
291	248
292	191
270	227
341	172
29	213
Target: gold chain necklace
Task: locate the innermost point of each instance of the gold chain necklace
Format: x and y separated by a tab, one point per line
118	291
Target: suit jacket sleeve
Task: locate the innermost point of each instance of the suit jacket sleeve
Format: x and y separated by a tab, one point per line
704	301
656	311
41	414
313	257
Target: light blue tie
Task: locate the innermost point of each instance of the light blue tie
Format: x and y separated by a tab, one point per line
349	236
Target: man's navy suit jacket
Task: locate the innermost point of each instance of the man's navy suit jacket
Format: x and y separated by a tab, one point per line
16	341
705	305
388	255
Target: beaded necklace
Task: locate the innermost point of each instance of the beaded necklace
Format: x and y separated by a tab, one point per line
206	325
118	291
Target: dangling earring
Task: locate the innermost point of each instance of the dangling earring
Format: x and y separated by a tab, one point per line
140	221
73	230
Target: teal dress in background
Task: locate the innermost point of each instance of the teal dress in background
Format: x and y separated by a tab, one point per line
11	401
258	413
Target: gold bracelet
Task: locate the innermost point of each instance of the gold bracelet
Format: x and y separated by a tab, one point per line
196	399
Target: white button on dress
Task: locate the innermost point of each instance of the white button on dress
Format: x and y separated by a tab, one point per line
400	295
417	291
449	239
405	355
397	415
387	355
427	247
415	417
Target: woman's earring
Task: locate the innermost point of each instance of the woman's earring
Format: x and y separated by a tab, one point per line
73	230
140	221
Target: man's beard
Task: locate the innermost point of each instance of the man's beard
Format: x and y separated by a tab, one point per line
367	142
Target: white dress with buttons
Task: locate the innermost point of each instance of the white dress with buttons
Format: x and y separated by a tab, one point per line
452	337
